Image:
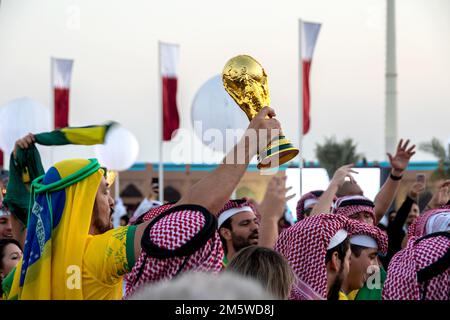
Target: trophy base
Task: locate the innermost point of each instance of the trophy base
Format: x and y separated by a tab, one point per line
278	152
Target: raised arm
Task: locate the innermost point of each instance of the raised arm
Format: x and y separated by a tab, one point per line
399	162
272	208
214	190
394	230
326	199
440	197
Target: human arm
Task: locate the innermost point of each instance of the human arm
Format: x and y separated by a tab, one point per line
272	209
405	208
216	188
399	162
395	228
326	199
440	197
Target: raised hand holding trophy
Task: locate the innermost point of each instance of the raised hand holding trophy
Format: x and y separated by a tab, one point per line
246	82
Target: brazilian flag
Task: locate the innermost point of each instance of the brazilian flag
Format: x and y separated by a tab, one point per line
27	164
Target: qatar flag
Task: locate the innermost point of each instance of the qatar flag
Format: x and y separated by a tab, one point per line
309	33
169	64
61	74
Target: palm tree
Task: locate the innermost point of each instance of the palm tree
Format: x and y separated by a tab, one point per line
437	149
333	154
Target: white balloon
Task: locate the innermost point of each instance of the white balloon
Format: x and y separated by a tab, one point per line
20	117
120	150
213	112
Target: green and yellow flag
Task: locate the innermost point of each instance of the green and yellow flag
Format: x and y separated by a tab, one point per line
58	227
27	164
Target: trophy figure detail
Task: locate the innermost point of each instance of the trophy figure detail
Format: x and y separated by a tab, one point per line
246	82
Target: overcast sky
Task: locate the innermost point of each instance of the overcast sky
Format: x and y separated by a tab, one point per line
114	44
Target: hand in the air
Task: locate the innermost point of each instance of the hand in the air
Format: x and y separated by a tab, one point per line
343	172
275	198
24	143
400	160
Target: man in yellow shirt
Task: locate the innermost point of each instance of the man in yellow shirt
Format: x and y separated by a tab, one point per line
70	251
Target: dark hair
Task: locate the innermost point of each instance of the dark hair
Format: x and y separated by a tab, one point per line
307	212
317	193
3	244
341	249
266	266
227	225
126	218
356	249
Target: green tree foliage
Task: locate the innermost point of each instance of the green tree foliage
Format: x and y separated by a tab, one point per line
437	149
333	154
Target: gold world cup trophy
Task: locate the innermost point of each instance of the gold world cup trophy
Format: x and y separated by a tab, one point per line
246	82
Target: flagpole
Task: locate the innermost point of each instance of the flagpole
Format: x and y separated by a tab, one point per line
300	103
390	118
52	104
161	163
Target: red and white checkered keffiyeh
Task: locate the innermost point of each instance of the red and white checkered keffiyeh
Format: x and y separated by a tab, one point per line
254	208
144	207
305	244
238	203
171	232
402	283
153	213
344	206
306	201
418	227
311	197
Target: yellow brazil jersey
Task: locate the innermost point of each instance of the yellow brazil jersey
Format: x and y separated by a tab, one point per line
352	295
342	296
106	259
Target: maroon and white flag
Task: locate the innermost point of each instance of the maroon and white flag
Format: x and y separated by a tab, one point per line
309	33
169	62
61	75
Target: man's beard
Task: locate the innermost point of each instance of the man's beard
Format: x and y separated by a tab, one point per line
333	294
241	242
100	226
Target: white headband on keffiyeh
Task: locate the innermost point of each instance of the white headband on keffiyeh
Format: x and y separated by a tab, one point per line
343	199
224	216
310	202
364	241
438	223
337	239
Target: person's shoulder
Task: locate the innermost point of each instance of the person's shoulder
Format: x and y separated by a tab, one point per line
116	233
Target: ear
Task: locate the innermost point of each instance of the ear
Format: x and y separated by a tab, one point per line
335	262
225	233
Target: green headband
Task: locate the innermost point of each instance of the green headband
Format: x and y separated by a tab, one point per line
65	182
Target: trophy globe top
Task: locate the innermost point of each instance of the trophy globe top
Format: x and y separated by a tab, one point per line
246	81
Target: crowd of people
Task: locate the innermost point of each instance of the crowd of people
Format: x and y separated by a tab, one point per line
343	245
